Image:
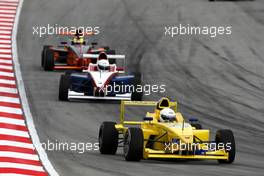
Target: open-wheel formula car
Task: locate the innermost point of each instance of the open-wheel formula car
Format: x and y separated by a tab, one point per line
101	80
164	134
69	54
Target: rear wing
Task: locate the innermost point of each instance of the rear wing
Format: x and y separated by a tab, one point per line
142	103
120	67
109	56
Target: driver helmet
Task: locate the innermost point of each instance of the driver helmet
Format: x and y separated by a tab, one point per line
103	64
167	115
78	38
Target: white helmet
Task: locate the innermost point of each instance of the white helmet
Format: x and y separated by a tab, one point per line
103	64
167	114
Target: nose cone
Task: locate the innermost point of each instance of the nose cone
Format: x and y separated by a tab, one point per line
184	132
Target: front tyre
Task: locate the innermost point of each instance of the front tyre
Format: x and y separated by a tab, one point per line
108	138
133	144
226	137
48	61
64	87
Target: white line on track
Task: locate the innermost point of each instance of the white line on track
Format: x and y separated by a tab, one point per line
17	144
21	166
8	90
8	3
7	11
9	99
7	15
12	132
5	46
7	7
9	20
6	56
9	0
5	41
6	23
5	32
19	155
9	174
6	74
6	61
11	110
12	121
6	67
5	81
5	36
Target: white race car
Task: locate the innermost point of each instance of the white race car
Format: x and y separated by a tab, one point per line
101	80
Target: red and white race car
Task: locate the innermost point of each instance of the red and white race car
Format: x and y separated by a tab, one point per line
69	54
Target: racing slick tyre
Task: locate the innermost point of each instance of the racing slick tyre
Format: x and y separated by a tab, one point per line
48	62
64	87
112	52
108	138
226	137
197	126
137	96
133	144
43	54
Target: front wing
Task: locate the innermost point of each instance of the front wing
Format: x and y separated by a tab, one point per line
212	155
76	95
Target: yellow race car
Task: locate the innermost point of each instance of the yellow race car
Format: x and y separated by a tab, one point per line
164	133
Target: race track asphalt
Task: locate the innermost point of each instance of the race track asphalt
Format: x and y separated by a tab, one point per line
218	80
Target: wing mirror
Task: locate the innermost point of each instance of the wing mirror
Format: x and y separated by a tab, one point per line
94	43
148	118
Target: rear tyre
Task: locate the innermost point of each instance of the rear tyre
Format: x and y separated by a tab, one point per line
108	138
226	137
48	63
137	96
64	87
133	144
